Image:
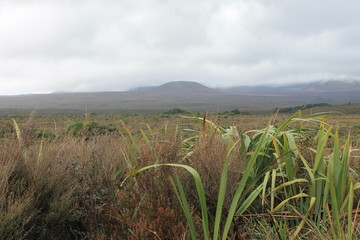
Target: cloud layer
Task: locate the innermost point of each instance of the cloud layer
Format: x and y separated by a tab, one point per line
107	45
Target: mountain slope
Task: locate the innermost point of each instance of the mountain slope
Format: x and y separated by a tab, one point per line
192	95
302	88
183	88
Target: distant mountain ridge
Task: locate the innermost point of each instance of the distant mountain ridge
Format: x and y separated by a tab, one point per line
319	86
192	95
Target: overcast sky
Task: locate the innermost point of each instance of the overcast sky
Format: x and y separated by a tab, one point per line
108	45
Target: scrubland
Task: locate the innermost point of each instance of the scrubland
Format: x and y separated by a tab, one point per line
197	176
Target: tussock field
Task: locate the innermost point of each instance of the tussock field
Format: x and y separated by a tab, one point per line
172	176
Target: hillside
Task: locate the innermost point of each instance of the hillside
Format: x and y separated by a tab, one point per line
183	88
341	109
192	95
319	87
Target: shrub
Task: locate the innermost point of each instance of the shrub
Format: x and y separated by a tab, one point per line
89	129
174	111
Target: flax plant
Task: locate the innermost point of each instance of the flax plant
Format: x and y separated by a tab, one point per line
240	201
315	189
324	197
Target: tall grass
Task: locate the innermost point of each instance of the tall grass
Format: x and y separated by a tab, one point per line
290	180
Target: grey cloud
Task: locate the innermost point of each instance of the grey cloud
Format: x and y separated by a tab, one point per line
98	45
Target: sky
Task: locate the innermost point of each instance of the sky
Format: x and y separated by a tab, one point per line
116	45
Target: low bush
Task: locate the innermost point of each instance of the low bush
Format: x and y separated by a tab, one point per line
88	129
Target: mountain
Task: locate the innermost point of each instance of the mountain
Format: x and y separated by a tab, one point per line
327	86
149	99
192	95
301	88
176	87
183	88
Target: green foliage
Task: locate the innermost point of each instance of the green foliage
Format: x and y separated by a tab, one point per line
175	111
75	128
302	107
44	133
234	112
238	112
88	129
91	125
